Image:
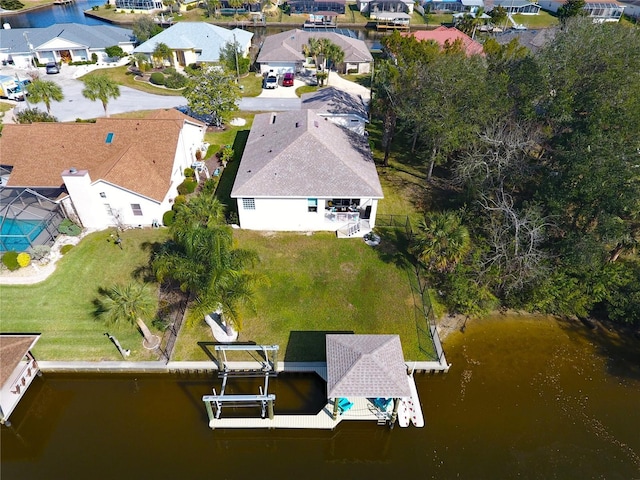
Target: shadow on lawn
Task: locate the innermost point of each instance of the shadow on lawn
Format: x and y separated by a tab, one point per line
309	346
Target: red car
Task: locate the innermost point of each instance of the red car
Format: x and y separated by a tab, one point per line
287	80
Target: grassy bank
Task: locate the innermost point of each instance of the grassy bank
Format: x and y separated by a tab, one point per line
122	76
61	307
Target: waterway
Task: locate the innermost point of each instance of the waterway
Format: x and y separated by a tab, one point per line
49	15
526	397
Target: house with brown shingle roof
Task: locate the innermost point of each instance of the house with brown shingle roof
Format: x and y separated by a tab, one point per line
448	36
114	172
18	368
301	172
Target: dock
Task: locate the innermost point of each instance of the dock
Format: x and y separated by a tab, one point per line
363	409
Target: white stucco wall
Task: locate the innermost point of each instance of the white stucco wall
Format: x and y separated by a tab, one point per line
292	214
101	204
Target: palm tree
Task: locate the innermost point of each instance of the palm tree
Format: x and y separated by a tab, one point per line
212	6
100	87
236	4
161	53
441	241
335	55
129	303
202	259
45	91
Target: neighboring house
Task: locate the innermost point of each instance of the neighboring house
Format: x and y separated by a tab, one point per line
315	6
452	6
18	368
196	42
609	11
522	7
339	107
283	52
115	171
138	6
376	6
66	42
631	8
300	172
447	36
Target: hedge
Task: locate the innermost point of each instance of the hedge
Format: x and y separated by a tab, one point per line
10	260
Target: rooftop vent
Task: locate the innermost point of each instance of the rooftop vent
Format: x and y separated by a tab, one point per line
73	170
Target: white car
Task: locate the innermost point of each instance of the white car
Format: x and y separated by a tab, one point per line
271	81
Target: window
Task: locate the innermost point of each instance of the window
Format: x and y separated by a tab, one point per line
137	210
248	203
312	205
103	195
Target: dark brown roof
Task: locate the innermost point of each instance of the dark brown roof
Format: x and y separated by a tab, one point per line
366	366
139	158
12	350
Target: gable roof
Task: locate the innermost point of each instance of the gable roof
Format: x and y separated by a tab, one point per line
140	158
300	154
334	101
366	366
91	36
442	35
13	347
196	36
287	46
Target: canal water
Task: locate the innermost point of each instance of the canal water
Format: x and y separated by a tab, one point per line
46	16
526	397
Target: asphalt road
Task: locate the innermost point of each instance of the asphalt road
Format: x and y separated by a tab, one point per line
75	105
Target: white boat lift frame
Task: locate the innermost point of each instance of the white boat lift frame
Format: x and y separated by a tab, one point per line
214	403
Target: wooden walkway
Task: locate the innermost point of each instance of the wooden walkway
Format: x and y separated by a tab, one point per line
362	409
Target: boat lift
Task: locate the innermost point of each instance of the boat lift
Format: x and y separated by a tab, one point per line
214	403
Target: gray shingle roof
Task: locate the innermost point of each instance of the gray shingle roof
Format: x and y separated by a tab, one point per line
287	47
366	366
334	101
92	36
300	154
197	35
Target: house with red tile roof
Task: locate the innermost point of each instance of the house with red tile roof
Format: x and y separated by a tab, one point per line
114	172
447	36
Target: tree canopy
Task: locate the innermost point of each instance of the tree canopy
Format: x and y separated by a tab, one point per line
213	93
540	151
100	87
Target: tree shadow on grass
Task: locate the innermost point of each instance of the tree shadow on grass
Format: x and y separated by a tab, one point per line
394	247
144	273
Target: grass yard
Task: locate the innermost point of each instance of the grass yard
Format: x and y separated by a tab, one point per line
61	307
318	284
122	76
542	20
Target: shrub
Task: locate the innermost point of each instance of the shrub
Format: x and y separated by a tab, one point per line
175	81
107	6
209	186
179	200
169	71
24	259
189	172
10	260
94	57
167	218
157	78
40	251
188	186
31	115
67	227
65	249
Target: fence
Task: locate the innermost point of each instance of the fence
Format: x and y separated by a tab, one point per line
176	313
428	338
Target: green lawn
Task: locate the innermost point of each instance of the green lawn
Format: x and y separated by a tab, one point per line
317	284
122	76
61	307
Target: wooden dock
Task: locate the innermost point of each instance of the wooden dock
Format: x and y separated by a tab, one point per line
362	409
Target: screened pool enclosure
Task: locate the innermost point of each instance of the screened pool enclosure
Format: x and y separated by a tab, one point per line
28	218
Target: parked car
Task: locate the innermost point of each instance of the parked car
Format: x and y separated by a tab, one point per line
271	81
52	67
287	79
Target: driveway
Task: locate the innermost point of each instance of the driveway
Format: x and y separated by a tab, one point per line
75	105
